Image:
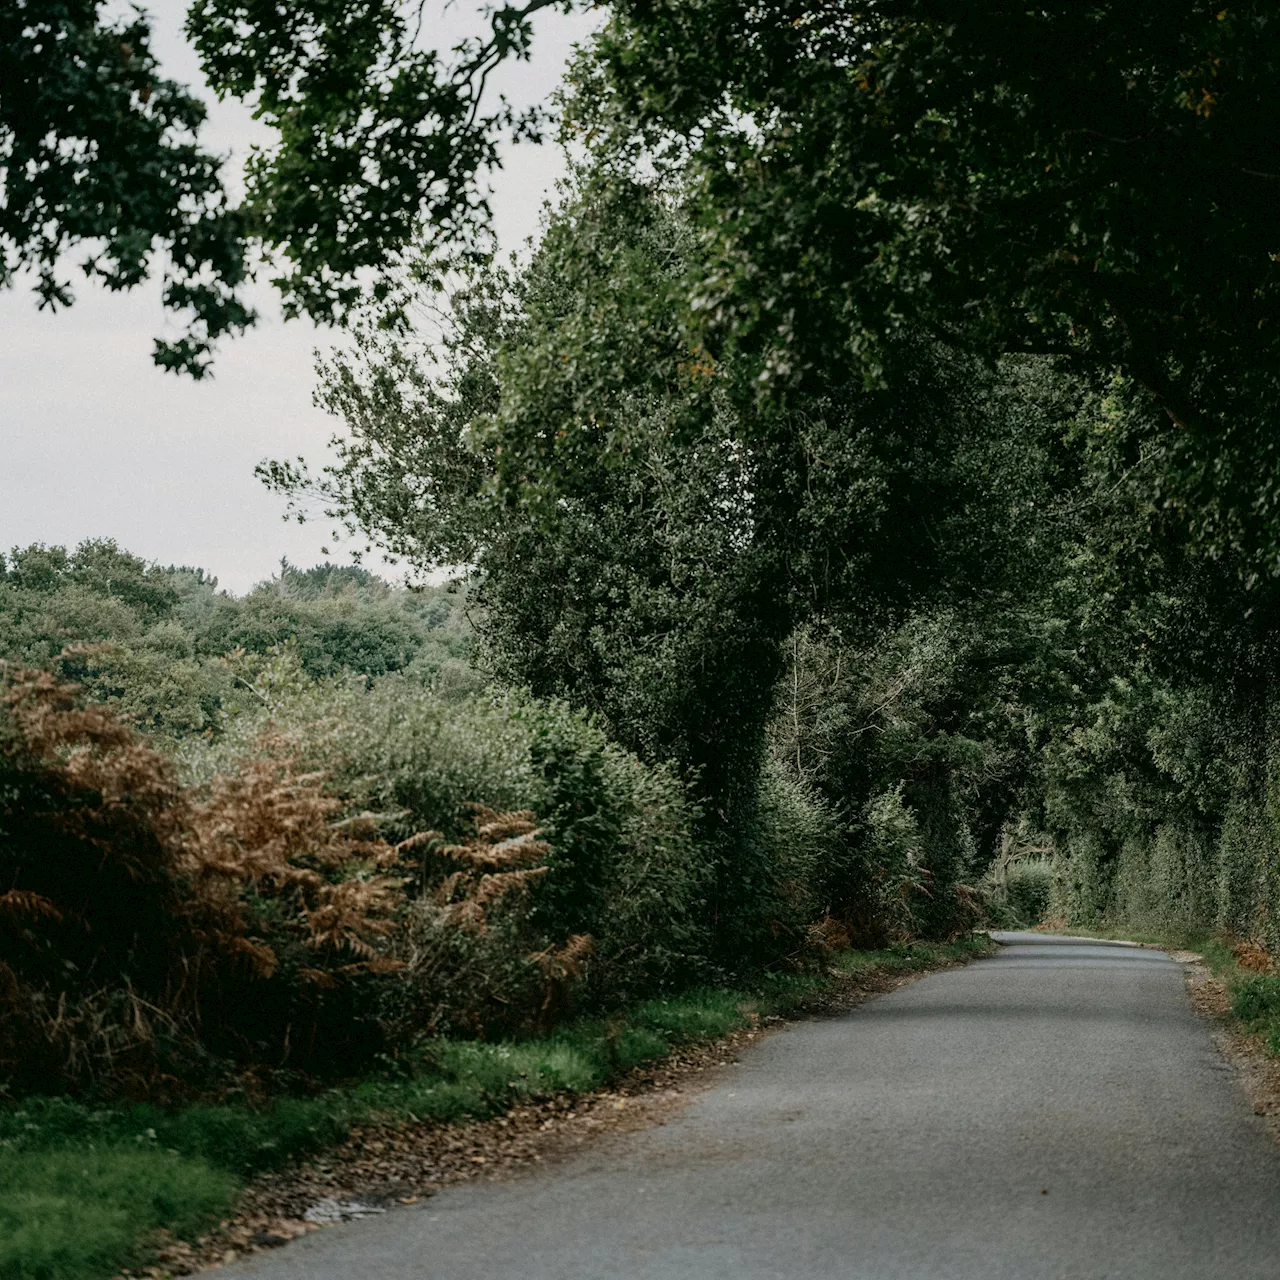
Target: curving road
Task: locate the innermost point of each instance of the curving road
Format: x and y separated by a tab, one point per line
1054	1112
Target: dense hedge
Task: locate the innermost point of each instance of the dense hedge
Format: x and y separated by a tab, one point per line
317	888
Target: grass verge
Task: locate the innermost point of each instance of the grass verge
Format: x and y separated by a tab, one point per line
79	1210
81	1187
1254	996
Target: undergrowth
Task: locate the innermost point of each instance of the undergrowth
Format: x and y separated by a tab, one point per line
1254	991
81	1186
910	957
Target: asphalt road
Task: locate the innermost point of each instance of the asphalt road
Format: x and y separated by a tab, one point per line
1056	1111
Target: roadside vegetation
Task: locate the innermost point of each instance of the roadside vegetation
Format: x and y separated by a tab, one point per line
84	1185
254	903
864	515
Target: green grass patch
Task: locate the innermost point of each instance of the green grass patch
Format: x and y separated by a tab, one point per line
1255	1000
236	1138
81	1186
468	1080
79	1211
1220	959
696	1015
461	1080
909	957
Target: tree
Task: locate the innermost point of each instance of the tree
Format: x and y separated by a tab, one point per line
645	538
1095	180
379	143
97	148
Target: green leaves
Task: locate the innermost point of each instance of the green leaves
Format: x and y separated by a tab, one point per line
380	144
99	149
377	139
1096	181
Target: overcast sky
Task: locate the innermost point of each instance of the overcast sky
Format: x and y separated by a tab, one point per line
95	441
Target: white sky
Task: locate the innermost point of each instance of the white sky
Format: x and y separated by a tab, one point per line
95	441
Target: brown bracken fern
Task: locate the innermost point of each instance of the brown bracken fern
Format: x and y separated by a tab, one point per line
144	919
477	961
159	938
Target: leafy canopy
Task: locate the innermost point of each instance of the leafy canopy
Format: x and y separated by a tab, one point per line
1097	181
376	142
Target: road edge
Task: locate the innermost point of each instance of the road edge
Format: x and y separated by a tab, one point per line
380	1168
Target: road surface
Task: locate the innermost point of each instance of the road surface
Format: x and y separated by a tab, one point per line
1054	1112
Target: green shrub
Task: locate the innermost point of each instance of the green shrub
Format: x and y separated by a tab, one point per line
1256	1001
652	930
1256	998
896	846
775	874
1029	889
624	867
402	751
1243	856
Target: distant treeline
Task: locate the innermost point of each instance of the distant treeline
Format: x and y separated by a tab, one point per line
175	655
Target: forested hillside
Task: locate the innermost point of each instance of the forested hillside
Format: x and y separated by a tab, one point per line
176	656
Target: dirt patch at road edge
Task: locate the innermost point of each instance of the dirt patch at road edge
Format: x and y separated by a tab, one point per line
1257	1071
